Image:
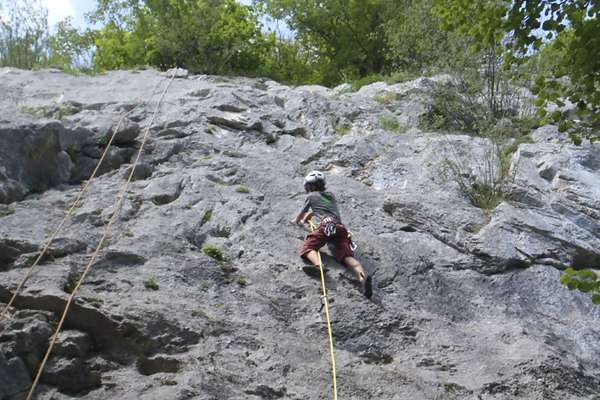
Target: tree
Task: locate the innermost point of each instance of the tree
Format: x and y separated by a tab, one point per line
417	43
523	27
207	36
23	34
347	36
68	47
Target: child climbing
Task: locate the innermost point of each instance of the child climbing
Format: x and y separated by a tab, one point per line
322	204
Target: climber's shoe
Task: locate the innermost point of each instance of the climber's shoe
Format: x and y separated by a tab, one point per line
367	286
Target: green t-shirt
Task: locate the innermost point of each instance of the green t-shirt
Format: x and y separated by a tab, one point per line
322	204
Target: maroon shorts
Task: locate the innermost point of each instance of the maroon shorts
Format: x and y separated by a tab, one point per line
317	239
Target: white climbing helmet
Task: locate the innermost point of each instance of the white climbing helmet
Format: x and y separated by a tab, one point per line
314	176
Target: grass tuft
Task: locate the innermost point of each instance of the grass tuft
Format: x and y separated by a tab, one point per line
214	252
151	283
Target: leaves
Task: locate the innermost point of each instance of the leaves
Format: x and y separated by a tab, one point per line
205	36
584	280
573	28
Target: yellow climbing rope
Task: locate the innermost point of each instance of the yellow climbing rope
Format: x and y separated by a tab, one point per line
107	231
326	303
68	214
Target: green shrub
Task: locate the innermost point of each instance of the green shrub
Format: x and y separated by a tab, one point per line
242	281
400	76
242	189
490	187
508	150
584	280
206	217
6	211
455	109
390	123
385	97
214	252
343	129
64	111
70	283
151	283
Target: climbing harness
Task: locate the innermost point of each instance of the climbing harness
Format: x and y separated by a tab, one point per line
325	303
329	228
69	212
113	218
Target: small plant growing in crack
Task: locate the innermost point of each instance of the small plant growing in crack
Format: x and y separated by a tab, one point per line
206	217
242	189
343	129
243	281
205	285
151	283
70	283
6	211
214	252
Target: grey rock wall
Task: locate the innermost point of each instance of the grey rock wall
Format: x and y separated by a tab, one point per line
467	302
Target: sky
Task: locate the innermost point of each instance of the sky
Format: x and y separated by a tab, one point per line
60	9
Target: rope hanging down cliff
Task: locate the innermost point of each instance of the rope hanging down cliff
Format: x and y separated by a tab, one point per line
329	329
70	210
107	230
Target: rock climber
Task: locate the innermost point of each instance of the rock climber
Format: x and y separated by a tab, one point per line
322	204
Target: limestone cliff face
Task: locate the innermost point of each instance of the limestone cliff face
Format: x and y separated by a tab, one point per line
467	302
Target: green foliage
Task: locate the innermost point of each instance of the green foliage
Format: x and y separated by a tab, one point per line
584	280
343	129
243	281
416	42
385	97
56	112
24	34
348	38
206	217
452	388
390	123
572	27
287	61
5	211
204	36
489	185
400	76
70	48
117	48
242	189
506	152
70	283
26	40
151	283
465	104
455	108
214	252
